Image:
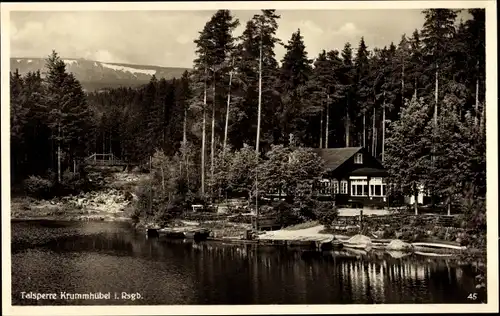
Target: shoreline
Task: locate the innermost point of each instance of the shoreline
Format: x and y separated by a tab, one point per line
70	219
269	241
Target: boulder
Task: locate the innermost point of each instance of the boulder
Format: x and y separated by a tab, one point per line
359	241
397	244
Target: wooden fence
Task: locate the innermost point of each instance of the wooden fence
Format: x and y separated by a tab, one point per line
104	160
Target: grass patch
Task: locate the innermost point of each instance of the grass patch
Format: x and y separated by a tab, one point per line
302	225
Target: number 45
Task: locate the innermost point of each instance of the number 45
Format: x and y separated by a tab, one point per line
472	296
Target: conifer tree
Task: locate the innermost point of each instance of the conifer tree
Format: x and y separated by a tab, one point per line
17	120
476	53
416	73
215	44
437	35
294	74
348	90
363	103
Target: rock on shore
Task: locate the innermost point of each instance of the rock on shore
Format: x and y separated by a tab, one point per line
399	245
359	241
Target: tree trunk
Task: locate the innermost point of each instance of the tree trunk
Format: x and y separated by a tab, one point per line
187	172
150	185
327	131
227	107
383	129
476	106
415	88
184	129
184	139
482	121
373	132
203	135
364	130
347	126
259	109
415	204
59	153
436	94
257	143
52	160
403	84
449	206
436	98
212	143
321	130
163	177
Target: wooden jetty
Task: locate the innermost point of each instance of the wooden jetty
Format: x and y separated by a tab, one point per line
288	243
179	233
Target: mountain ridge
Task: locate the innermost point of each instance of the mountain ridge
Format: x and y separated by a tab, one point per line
96	75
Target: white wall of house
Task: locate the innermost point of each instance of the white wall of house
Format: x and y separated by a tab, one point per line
420	199
420	196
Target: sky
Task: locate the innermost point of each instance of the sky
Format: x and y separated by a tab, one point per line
165	38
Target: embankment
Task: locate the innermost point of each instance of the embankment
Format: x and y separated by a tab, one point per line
106	204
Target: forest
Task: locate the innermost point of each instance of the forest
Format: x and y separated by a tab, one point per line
417	105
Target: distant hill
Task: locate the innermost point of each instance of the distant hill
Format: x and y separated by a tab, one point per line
96	75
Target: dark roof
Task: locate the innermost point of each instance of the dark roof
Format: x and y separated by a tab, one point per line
373	172
334	157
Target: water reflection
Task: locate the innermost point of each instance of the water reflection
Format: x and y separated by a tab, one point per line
111	257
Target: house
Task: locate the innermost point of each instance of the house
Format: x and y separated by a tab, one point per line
423	197
352	177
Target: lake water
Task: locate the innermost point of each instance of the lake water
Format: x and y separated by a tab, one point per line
112	258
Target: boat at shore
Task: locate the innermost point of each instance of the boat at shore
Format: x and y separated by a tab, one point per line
179	233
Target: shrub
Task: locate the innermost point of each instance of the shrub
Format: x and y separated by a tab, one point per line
286	215
306	208
474	214
407	236
71	183
326	213
38	187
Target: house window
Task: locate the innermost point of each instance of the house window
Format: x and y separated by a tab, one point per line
377	187
325	187
343	187
359	187
335	184
358	159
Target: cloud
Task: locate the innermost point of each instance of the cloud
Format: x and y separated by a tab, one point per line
348	29
123	36
165	38
104	55
309	26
